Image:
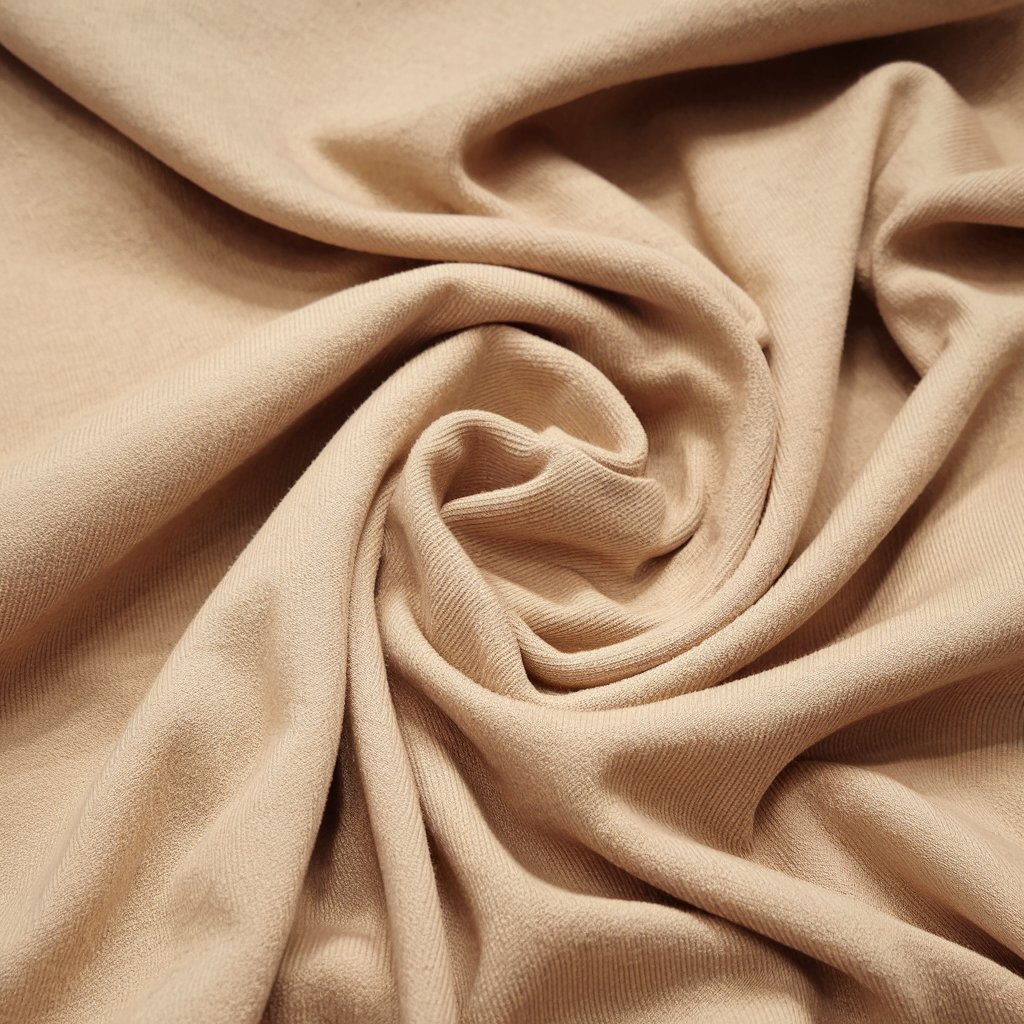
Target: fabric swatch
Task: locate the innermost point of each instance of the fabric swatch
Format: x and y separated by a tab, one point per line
511	513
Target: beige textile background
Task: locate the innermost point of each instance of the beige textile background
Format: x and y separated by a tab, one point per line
511	512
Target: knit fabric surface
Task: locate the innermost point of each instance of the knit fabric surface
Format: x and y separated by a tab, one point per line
511	512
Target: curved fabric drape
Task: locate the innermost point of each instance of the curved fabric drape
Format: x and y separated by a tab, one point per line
512	512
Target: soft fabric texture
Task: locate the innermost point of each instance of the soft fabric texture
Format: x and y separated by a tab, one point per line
511	512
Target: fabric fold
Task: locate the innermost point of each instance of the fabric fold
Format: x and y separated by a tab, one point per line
512	513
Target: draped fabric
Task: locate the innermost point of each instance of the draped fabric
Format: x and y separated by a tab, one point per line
511	512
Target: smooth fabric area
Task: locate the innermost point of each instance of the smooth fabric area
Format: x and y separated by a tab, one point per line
511	513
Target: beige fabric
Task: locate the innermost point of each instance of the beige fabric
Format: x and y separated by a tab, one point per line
511	512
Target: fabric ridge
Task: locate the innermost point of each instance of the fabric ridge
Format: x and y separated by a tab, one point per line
512	513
